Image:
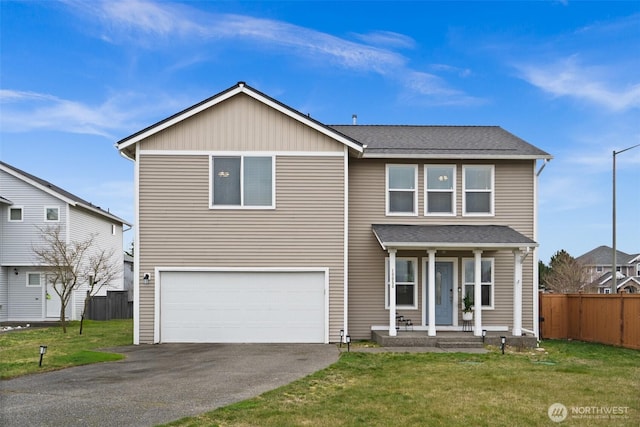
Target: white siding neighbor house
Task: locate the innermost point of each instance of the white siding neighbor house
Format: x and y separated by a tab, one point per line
260	224
29	204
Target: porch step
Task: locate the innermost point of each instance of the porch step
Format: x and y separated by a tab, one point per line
459	344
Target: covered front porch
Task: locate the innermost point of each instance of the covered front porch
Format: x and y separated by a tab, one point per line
443	291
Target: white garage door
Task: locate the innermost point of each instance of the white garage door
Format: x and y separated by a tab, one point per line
242	307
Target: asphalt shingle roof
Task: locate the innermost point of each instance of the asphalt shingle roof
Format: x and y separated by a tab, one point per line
440	141
481	236
602	255
62	192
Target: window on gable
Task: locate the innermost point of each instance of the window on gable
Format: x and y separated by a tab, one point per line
51	214
478	190
486	280
15	214
242	181
401	189
440	184
406	286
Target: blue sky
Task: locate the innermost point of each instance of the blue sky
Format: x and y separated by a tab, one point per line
77	76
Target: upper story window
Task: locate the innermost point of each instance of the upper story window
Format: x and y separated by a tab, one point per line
242	182
478	189
51	214
402	195
486	280
440	184
15	214
599	268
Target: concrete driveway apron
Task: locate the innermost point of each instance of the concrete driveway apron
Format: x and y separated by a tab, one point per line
157	383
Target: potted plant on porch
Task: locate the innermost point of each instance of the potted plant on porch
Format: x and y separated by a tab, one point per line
467	313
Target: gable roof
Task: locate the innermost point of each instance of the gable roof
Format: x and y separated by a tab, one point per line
58	192
374	141
126	145
450	236
602	255
446	142
622	280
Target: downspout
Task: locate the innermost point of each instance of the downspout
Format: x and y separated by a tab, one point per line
536	275
345	321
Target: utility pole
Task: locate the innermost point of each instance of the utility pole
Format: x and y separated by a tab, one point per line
614	263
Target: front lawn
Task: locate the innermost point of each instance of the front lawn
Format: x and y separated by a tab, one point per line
453	389
20	350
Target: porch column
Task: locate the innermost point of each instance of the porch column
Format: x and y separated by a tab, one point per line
392	293
431	292
517	293
477	293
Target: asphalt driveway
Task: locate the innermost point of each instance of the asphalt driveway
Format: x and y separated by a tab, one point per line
157	383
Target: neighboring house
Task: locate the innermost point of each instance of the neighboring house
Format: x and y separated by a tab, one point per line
258	223
26	204
598	263
128	275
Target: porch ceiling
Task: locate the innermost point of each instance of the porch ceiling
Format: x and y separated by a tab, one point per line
486	237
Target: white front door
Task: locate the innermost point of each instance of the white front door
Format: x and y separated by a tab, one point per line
52	301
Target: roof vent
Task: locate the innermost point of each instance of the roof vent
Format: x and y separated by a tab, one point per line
354	118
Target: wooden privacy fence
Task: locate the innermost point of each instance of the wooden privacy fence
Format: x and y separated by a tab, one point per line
606	319
115	305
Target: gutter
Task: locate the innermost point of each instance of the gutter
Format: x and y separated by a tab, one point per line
542	167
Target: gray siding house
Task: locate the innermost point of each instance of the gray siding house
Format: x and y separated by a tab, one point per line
27	204
260	224
598	264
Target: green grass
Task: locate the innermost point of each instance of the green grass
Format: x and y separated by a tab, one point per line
449	389
20	350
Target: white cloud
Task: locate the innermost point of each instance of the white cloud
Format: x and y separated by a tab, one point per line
144	22
569	77
24	111
387	38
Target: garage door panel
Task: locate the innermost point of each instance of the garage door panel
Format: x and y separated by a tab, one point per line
242	306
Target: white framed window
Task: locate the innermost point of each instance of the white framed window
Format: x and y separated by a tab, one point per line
16	214
477	182
439	188
34	280
402	194
406	283
51	213
599	268
113	229
242	182
486	280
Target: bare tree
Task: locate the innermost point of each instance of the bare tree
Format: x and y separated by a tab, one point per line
566	274
100	271
69	265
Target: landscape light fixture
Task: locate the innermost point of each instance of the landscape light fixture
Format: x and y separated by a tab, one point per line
503	342
348	343
484	334
341	337
43	350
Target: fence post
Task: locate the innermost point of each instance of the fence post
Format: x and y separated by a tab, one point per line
621	343
580	337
